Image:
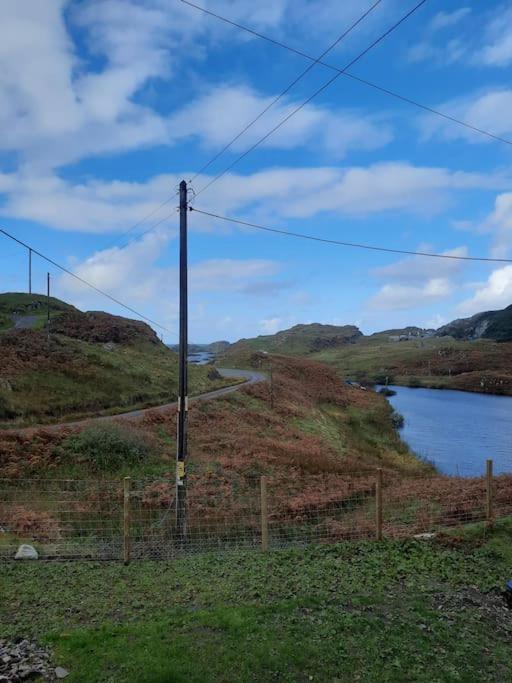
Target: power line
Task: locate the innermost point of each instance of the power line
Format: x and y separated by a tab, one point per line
364	81
311	97
80	279
140	222
354	245
287	89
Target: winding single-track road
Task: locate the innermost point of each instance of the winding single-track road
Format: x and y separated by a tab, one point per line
250	377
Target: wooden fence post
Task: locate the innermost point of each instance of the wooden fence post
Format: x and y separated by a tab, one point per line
264	514
489	491
126	519
378	505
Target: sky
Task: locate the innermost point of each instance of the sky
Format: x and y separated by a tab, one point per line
105	105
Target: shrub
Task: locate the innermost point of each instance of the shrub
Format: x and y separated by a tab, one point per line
106	447
397	419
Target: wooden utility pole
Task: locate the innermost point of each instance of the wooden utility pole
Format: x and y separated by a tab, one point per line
48	306
264	513
378	505
271	387
30	271
488	485
181	441
126	520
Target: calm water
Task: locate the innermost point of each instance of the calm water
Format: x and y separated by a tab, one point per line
456	429
200	357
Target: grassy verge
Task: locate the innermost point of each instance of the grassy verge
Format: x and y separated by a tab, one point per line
390	611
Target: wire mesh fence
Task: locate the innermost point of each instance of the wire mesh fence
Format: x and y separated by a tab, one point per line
134	519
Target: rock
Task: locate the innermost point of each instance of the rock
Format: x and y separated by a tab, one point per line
23	660
26	552
424	537
60	672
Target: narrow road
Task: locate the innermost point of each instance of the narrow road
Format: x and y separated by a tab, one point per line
250	376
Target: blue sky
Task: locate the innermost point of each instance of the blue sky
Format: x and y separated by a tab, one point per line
106	105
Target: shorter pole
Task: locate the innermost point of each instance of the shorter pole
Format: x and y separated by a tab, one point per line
126	520
378	505
264	514
489	500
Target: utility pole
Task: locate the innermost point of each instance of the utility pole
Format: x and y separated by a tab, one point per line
48	306
181	441
29	270
271	387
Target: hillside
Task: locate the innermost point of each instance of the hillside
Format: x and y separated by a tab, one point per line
472	354
495	325
298	340
20	310
94	362
395	605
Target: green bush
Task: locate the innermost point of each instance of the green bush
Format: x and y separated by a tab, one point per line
106	447
397	419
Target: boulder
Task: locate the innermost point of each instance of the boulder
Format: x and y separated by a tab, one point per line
26	552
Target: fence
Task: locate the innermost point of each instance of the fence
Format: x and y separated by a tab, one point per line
135	519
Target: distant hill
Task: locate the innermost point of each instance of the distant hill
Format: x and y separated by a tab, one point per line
495	325
300	339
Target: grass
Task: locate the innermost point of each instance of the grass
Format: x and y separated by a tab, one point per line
390	611
443	363
81	378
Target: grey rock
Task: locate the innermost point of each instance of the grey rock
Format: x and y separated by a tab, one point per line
60	672
26	552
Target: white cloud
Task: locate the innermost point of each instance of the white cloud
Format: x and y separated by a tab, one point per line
276	194
444	20
417	281
271	325
231	275
499	223
487	110
497	49
495	293
419	268
134	274
398	296
336	131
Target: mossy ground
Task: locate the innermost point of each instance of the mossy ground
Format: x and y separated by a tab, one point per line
369	611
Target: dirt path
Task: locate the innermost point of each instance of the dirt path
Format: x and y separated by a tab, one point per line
249	376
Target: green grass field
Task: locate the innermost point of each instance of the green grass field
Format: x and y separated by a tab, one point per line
389	611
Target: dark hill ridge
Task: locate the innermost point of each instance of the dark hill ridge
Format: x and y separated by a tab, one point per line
96	326
92	326
301	339
495	325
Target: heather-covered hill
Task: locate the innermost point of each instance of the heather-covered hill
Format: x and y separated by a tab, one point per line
90	363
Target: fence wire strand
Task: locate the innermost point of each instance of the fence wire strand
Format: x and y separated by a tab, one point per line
90	519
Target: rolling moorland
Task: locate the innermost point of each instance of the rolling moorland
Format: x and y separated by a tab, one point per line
396	609
473	354
401	609
94	363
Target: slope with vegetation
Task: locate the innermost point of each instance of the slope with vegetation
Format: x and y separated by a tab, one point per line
473	354
90	363
298	340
